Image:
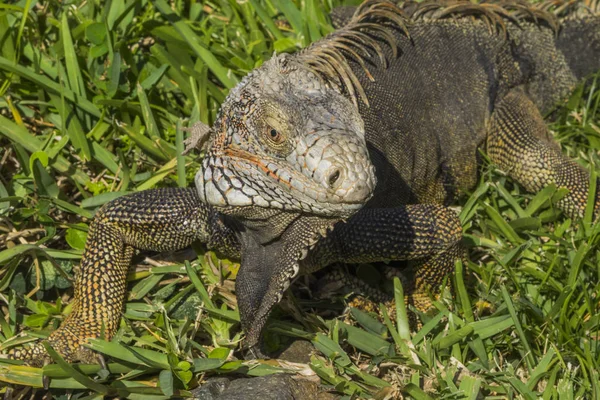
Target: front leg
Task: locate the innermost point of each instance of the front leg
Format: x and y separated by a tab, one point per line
159	220
520	143
426	233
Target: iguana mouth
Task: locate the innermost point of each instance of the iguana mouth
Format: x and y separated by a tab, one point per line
256	160
363	190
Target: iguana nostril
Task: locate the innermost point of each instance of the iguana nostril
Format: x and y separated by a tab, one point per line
333	178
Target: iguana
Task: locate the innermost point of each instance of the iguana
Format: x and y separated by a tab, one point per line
351	150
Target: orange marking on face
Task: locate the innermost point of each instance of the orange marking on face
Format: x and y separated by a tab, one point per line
256	161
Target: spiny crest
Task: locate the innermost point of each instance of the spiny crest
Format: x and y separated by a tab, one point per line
570	8
328	58
494	13
376	20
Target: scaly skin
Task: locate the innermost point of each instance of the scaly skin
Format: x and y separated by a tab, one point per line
349	151
145	220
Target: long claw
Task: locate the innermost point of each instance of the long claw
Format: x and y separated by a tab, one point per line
254	353
102	361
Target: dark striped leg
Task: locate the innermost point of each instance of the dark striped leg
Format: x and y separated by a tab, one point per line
159	220
519	142
429	235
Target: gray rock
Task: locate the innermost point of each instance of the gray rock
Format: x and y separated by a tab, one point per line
270	387
212	389
299	352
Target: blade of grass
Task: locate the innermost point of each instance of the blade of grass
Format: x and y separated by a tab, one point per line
476	344
540	198
511	201
266	19
469	208
77	375
401	314
157	148
161	174
193	275
21	375
76	83
222	73
531	362
291	12
126	353
72	126
149	120
470	386
502	225
50	86
179	145
21	136
588	217
416	392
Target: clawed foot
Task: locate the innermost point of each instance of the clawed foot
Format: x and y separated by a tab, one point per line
34	355
69	346
254	353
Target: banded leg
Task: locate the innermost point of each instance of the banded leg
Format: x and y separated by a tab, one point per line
160	220
519	143
430	235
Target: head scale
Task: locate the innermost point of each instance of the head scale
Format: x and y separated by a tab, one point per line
286	140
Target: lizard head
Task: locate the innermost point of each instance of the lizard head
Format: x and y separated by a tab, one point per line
285	140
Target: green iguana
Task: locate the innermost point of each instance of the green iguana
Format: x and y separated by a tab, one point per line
350	150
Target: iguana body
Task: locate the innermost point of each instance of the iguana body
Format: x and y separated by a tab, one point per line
349	137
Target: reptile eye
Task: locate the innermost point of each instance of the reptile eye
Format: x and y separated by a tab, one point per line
275	136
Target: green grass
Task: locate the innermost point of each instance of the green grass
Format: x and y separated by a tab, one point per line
91	97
